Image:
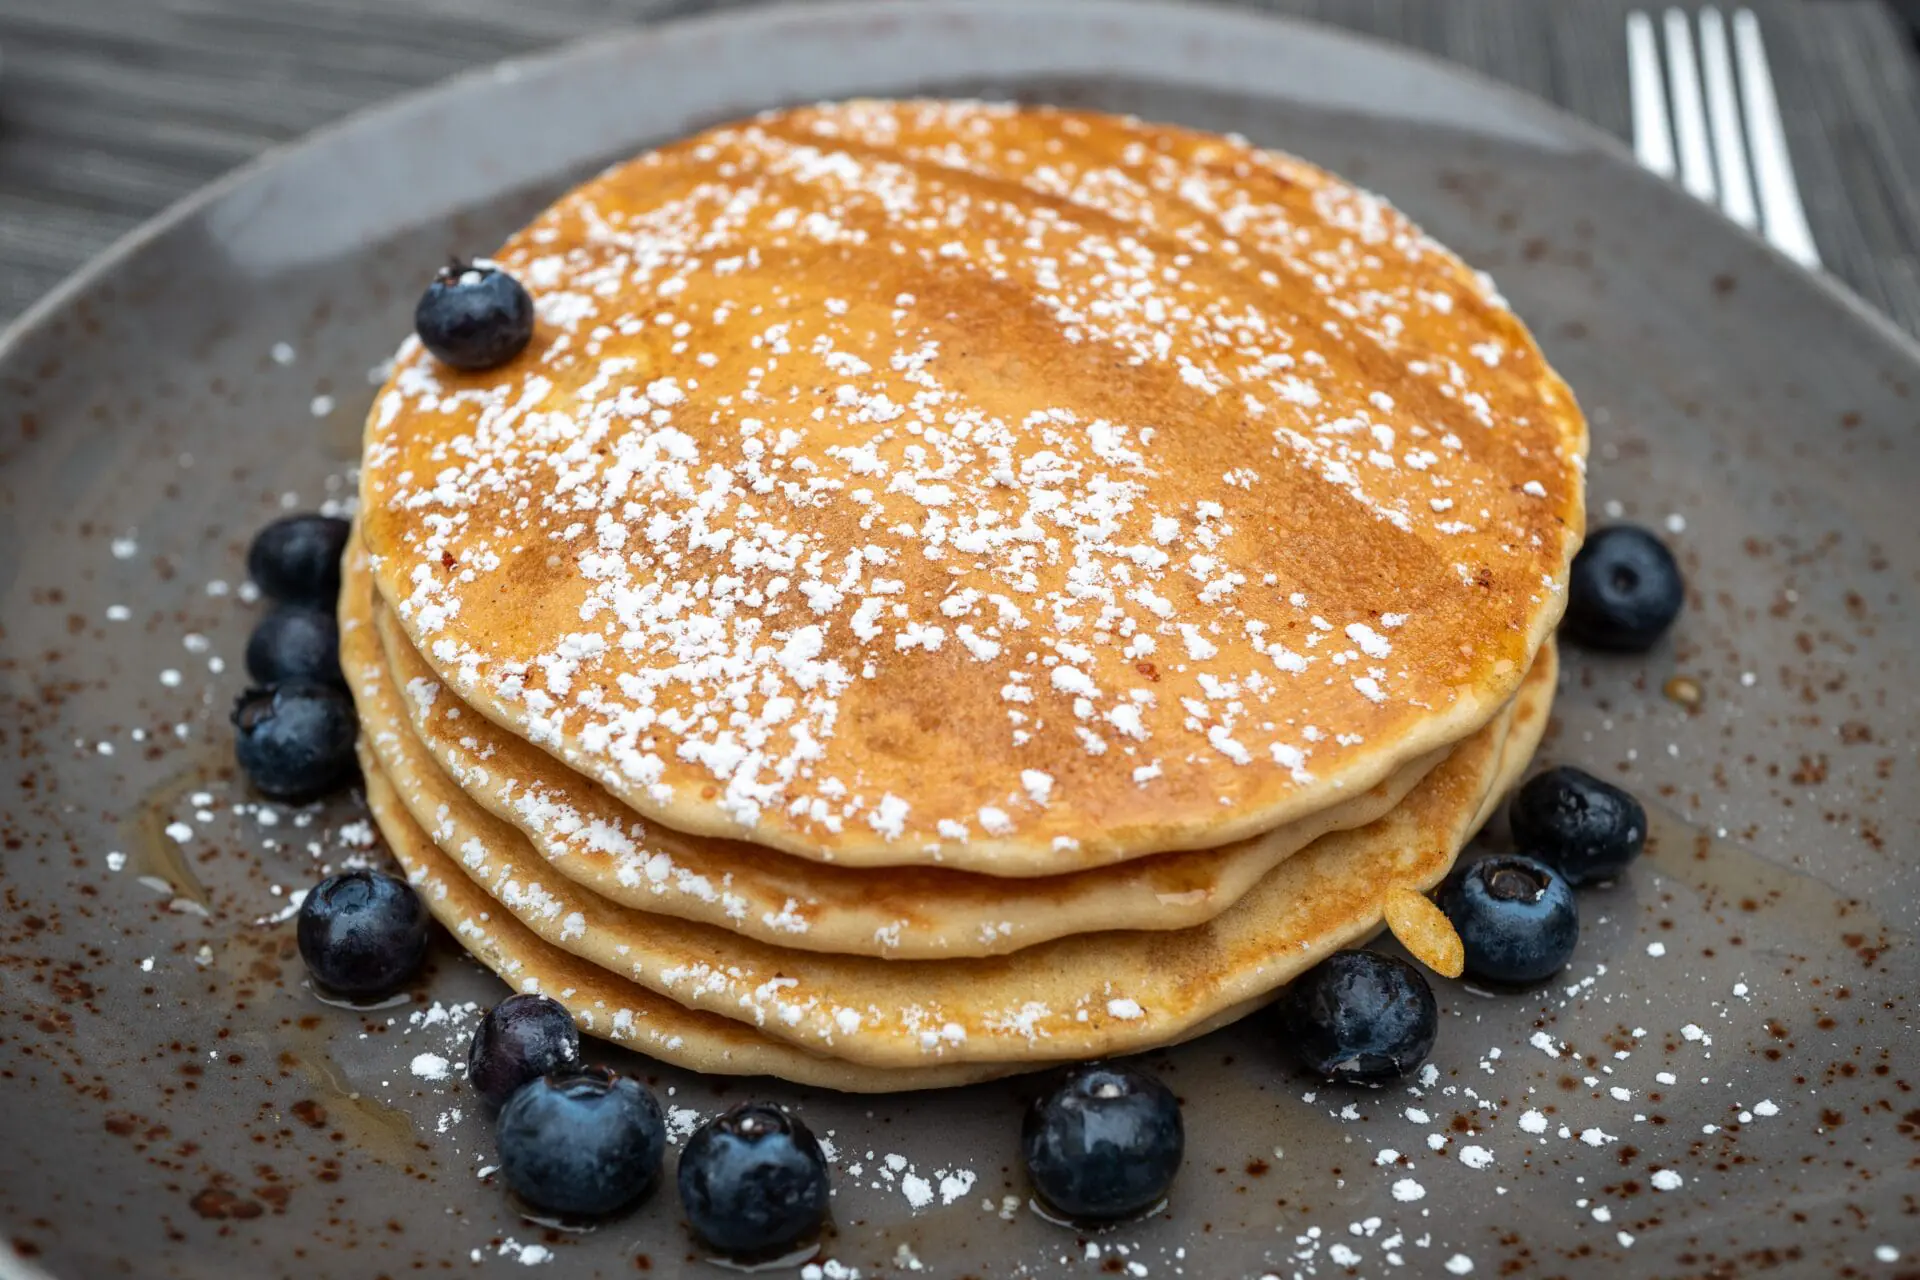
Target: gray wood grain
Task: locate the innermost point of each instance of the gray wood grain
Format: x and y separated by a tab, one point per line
112	109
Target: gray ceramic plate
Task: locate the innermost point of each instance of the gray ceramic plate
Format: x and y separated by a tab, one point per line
1721	1083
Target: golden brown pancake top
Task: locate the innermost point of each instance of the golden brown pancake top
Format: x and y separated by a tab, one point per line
898	482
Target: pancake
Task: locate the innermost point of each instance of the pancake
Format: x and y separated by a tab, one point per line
1090	995
1016	489
607	1006
899	913
1081	997
622	1012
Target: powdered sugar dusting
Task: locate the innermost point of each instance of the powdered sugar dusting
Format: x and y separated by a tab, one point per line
771	515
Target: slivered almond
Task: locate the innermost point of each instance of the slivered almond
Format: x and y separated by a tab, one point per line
1424	930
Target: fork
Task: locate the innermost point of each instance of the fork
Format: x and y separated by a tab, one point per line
1724	128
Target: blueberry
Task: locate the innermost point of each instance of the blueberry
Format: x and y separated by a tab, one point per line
1624	590
1359	1017
295	740
362	933
1571	820
581	1141
297	559
474	316
1105	1142
521	1039
295	642
1515	916
753	1180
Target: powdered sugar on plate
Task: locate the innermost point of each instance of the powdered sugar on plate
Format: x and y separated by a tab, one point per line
429	1066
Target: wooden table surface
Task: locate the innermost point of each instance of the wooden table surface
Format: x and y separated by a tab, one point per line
112	109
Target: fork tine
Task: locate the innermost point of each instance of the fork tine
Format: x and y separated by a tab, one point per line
1689	112
1723	114
1780	209
1652	136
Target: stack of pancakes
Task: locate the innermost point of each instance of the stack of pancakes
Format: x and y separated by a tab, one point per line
951	588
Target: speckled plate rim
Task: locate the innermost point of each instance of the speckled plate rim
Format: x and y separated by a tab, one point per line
1442	92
